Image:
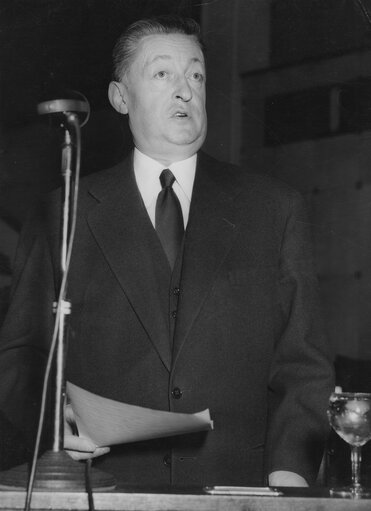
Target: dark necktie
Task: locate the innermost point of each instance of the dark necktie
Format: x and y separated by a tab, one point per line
169	218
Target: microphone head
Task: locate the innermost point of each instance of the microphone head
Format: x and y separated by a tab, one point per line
56	106
62	107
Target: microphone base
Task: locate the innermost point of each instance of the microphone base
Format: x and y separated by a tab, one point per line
56	471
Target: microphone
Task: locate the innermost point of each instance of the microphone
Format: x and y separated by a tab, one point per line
62	108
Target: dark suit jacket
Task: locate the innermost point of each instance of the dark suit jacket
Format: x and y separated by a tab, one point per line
248	340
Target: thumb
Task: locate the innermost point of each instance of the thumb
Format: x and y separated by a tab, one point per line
70	426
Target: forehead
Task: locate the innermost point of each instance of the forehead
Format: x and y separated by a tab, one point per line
178	47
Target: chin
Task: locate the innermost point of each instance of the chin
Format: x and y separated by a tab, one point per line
186	138
176	152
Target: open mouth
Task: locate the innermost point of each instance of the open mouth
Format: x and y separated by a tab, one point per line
180	115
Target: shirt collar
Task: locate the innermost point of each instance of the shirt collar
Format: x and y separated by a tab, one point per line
147	172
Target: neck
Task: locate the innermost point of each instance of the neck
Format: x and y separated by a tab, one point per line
166	160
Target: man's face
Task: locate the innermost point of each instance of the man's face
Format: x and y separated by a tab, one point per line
164	94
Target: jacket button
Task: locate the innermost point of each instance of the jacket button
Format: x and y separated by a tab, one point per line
173	314
176	393
176	291
167	460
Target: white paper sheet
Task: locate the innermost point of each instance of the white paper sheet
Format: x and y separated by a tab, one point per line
108	422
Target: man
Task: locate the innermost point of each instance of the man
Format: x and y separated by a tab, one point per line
226	318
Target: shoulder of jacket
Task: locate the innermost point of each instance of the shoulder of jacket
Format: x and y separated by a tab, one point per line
251	180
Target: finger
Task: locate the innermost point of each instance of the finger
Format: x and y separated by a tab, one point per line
70	421
77	443
80	456
68	413
69	430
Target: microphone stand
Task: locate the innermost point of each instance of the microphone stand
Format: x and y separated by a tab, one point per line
56	470
65	306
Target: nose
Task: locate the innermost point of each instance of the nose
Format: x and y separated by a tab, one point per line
183	90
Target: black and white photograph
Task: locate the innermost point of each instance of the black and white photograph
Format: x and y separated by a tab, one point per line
185	255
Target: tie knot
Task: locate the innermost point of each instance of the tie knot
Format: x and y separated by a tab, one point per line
167	178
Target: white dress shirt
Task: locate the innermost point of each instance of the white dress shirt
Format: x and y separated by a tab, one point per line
147	174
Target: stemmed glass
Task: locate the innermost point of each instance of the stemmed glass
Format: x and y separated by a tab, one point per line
349	414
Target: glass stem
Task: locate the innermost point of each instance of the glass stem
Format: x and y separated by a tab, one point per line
356	458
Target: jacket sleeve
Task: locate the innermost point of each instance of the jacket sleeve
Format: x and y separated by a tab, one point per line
24	341
301	377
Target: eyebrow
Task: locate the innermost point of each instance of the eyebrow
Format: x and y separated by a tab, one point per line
169	57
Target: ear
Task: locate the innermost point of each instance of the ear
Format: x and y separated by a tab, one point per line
116	96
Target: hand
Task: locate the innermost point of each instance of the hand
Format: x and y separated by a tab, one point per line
286	478
78	447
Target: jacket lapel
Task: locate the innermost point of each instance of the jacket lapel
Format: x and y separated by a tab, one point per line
211	229
124	232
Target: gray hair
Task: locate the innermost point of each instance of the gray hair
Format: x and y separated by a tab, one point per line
126	45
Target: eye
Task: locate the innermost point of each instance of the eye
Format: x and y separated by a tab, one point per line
161	75
197	77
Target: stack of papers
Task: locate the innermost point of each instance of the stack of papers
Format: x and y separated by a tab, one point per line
107	422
